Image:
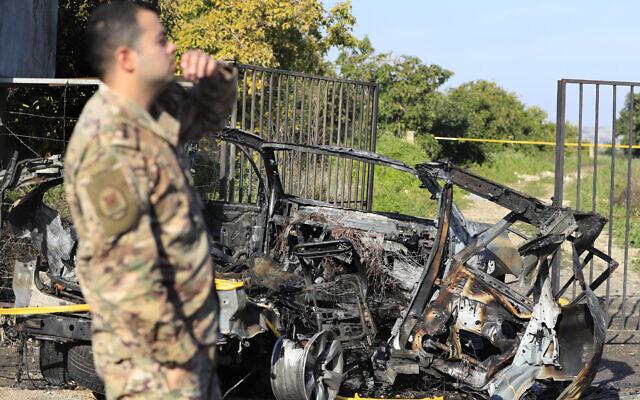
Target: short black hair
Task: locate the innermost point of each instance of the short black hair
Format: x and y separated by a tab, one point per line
111	25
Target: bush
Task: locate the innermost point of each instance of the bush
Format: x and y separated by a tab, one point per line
429	145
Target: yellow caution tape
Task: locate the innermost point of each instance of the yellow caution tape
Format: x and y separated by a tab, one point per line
221	284
45	310
540	143
226	284
357	397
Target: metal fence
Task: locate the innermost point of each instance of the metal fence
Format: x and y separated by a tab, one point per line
275	104
601	174
297	108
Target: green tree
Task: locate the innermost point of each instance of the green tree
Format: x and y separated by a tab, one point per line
623	123
492	112
72	20
496	113
408	100
294	35
290	34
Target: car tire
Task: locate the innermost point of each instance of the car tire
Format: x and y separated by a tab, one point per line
53	362
81	368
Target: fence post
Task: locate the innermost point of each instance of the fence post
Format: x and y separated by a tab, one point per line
374	138
559	172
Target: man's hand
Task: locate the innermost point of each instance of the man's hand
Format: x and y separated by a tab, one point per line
196	65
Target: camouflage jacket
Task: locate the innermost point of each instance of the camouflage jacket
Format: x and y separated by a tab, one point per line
143	256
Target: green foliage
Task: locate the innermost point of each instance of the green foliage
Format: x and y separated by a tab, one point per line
429	145
35	113
399	149
496	113
508	166
293	35
602	197
622	123
396	191
409	99
55	198
493	113
72	20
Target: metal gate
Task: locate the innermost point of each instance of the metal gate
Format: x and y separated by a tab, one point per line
290	107
598	169
276	105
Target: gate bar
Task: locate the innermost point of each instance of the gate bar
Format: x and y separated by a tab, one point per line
559	172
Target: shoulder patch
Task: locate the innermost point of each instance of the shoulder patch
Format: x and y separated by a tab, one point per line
124	134
114	201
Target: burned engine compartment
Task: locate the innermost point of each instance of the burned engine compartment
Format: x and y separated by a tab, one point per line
347	301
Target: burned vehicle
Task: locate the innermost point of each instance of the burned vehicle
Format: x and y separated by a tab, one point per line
335	301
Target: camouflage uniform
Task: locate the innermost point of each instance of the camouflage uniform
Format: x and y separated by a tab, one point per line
143	257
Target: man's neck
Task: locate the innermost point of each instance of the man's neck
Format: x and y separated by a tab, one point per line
132	90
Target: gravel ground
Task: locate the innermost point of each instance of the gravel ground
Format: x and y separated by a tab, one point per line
53	394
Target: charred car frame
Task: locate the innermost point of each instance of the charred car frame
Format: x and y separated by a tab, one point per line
335	300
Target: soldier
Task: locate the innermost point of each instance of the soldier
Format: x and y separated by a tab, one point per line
143	255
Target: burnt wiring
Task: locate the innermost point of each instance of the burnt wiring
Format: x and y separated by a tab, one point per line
234	387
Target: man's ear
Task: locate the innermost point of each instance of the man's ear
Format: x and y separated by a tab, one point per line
126	59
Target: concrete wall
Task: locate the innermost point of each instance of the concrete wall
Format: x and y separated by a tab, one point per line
28	36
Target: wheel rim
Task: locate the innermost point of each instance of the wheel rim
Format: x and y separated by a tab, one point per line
312	372
323	367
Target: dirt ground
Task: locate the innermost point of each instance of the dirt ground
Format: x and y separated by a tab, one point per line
10	393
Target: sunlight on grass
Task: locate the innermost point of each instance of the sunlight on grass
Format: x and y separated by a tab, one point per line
396	191
596	192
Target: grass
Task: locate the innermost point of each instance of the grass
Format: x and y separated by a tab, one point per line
54	198
397	191
530	173
603	191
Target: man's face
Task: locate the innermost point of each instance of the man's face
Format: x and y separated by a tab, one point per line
156	54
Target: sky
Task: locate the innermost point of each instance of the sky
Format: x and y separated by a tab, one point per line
524	46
